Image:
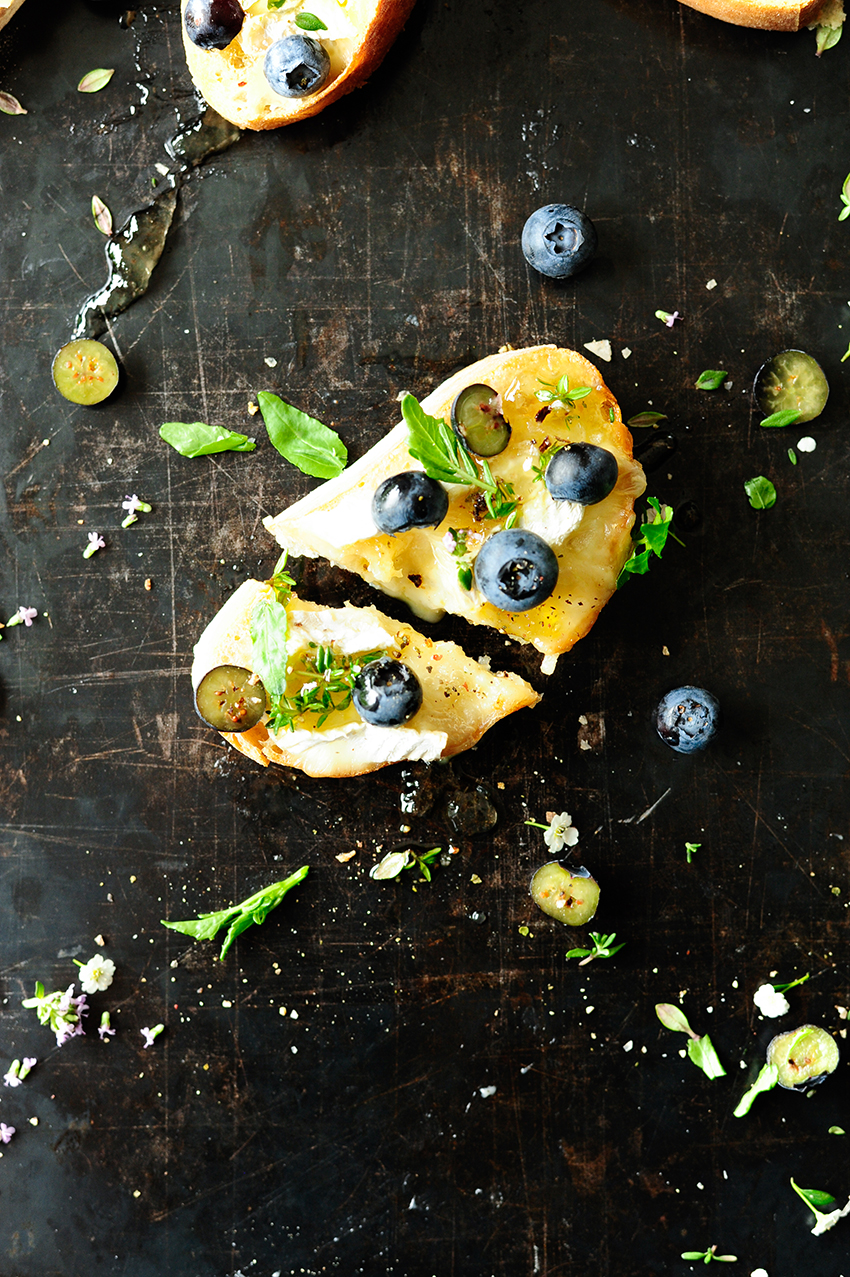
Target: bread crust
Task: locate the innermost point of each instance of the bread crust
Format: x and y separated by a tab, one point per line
232	80
766	15
8	11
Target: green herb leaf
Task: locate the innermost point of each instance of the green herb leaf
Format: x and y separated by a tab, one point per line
701	1051
95	80
269	631
836	1130
826	37
672	1018
777	420
814	1198
444	458
10	105
253	910
101	214
792	456
761	492
196	439
603	946
309	444
653	538
309	22
766	1081
783	988
646	418
711	379
690	848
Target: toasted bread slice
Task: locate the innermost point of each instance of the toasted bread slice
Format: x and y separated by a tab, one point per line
591	542
357	37
8	10
461	698
769	15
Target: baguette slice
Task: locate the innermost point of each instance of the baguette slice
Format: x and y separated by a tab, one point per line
359	34
768	15
591	543
461	698
8	10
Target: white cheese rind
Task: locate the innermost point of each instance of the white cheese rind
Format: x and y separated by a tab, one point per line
362	743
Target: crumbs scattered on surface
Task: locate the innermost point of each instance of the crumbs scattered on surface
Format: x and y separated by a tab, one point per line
270	361
712	283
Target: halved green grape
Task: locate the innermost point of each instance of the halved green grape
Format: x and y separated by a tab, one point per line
85	372
803	1057
791	382
570	895
478	422
230	698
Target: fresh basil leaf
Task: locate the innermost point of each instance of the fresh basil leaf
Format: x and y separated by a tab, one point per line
309	444
269	631
702	1052
646	418
761	492
205	926
766	1081
239	924
786	417
815	1197
250	911
196	439
672	1018
435	445
309	22
711	379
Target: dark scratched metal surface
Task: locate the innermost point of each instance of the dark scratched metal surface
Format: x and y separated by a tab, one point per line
373	249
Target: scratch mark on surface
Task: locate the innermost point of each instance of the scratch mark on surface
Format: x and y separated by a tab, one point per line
628	820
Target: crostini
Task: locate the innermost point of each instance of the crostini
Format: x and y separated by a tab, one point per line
523	519
272	62
8	10
356	691
768	15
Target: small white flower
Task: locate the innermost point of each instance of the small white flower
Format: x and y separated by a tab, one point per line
96	975
561	832
771	1003
825	1222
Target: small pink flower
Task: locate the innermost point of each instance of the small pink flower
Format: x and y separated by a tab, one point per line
671	319
449	541
23	615
150	1035
96	542
11	1078
131	504
6	1133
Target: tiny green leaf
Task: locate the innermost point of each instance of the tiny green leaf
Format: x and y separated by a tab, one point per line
309	22
777	420
814	1198
672	1018
701	1051
792	456
196	439
269	631
391	865
646	418
761	492
711	379
251	911
10	105
690	848
766	1081
836	1130
309	444
94	81
653	535
101	214
826	37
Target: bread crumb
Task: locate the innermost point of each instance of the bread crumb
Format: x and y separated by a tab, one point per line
602	349
148	583
712	283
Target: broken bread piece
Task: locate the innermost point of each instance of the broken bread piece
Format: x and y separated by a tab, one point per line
324	649
520	409
262	65
768	15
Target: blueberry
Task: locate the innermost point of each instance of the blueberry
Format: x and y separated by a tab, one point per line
516	570
409	500
478	422
581	472
558	240
686	718
386	693
296	66
212	24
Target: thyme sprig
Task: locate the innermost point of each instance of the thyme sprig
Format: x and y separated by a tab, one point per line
443	457
329	683
603	947
557	394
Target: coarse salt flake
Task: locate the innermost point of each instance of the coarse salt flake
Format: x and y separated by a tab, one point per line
602	349
806	444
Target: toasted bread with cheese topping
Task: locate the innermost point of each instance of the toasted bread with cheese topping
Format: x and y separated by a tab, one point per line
461	697
357	36
591	542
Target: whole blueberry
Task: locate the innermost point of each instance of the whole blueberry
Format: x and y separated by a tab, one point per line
581	472
687	718
558	240
409	500
296	66
212	24
516	570
386	693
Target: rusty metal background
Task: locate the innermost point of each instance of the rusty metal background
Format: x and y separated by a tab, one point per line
453	1096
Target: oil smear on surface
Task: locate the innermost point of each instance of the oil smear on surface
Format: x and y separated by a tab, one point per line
133	251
